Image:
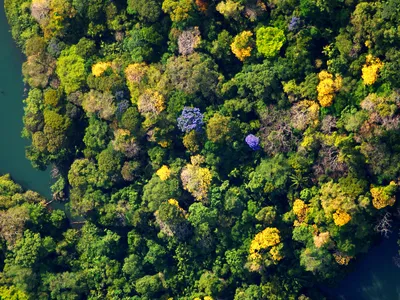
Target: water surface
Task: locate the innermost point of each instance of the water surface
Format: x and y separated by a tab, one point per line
12	146
375	277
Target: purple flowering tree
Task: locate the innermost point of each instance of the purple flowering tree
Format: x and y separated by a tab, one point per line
122	106
190	119
253	142
119	95
55	47
294	23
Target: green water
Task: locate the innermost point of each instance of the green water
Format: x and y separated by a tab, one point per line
12	146
374	276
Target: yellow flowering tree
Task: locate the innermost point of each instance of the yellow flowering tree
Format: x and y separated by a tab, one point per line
164	143
151	103
371	69
341	258
99	68
268	238
304	113
242	45
276	252
164	173
300	209
230	9
191	141
327	88
195	179
341	217
12	293
178	10
383	196
321	239
124	142
173	201
134	74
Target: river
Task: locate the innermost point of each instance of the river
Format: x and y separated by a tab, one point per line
374	276
12	150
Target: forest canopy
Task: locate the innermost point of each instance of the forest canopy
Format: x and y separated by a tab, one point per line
210	149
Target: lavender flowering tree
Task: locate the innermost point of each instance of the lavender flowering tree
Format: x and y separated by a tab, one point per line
190	119
55	47
119	95
253	142
294	23
122	106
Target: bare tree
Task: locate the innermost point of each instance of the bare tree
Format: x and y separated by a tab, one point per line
12	223
180	230
396	260
328	162
276	133
304	113
377	155
55	171
328	124
188	40
40	10
384	225
131	149
300	117
391	123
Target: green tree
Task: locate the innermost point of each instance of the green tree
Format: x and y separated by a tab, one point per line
109	163
96	136
143	42
253	292
269	41
157	191
178	10
271	175
219	128
71	70
65	285
149	286
195	73
131	120
146	10
210	284
133	266
101	103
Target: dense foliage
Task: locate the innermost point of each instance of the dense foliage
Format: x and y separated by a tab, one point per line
210	149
